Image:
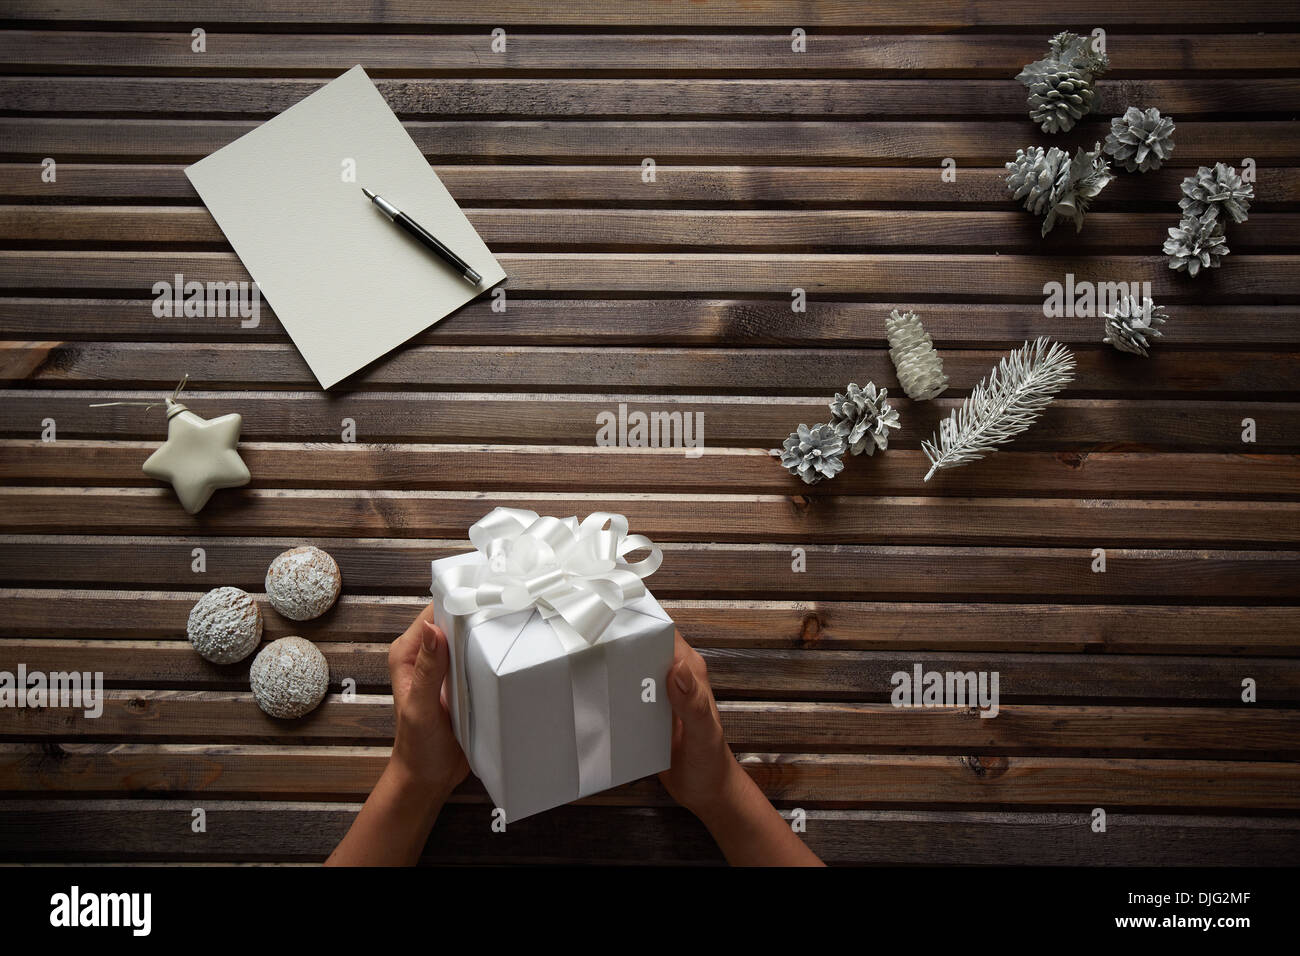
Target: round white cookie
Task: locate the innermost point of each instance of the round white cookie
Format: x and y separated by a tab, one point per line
289	677
303	583
225	625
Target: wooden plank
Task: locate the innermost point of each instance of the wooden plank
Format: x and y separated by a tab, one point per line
556	419
159	830
430	53
713	571
840	780
1099	371
664	517
752	323
735	673
762	674
172	664
801	727
844	142
659	98
116	631
683	322
65	615
934	15
508	186
524	468
612	230
1248	277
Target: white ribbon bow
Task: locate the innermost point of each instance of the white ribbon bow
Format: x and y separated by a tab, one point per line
574	574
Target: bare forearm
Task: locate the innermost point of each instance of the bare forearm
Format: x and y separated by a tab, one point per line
393	825
749	830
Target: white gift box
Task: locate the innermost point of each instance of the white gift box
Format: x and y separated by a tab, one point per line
558	658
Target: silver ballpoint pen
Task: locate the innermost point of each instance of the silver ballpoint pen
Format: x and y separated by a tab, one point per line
426	237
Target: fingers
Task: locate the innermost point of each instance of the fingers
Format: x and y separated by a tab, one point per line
416	627
403	652
690	695
689	657
683	651
431	663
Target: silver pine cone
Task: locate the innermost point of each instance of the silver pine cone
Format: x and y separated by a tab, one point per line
1060	84
1059	99
1196	244
919	367
1132	324
862	417
1036	175
1054	186
1213	189
813	453
1140	140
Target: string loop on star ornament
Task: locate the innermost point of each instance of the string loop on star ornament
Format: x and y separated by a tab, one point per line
174	396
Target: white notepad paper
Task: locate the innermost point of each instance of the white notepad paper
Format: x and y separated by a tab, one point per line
347	284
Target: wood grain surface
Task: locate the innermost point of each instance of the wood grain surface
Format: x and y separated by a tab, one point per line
775	171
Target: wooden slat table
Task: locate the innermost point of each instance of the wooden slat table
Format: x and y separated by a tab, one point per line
775	170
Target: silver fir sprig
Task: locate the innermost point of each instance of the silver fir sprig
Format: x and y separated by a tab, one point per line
1002	406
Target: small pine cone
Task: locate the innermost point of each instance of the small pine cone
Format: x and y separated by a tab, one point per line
1060	84
919	367
1053	185
1058	99
1196	244
1140	140
1213	189
862	417
813	453
1036	175
1132	324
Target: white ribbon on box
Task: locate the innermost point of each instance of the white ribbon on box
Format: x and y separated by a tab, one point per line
574	575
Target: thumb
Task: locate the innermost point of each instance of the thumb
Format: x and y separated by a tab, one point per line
430	664
688	695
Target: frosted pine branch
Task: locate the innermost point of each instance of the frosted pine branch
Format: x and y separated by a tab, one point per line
1002	406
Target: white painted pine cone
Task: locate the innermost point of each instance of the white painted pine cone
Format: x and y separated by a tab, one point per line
920	370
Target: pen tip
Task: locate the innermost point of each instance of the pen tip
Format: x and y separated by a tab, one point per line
369	194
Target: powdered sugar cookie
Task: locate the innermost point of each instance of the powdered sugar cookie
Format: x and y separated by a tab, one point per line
289	677
225	625
303	583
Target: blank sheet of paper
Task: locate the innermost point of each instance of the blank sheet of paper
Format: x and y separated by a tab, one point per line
347	284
